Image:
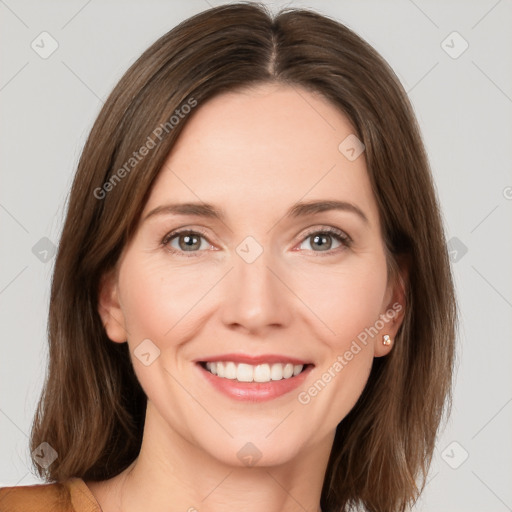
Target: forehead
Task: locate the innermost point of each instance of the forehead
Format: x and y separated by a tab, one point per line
267	146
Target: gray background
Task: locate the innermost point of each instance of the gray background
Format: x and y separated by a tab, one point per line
464	109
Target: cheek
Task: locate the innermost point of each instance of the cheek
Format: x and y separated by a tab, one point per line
161	301
146	300
347	300
346	306
349	304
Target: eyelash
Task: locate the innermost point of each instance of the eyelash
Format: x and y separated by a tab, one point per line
339	235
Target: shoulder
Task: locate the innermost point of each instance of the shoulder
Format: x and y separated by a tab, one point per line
69	496
35	498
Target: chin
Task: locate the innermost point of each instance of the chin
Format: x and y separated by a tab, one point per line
254	451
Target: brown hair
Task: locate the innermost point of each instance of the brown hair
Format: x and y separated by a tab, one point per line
92	407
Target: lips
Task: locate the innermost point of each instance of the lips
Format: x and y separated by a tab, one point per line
253	360
254	378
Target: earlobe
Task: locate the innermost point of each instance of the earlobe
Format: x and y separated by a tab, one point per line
385	340
110	310
395	311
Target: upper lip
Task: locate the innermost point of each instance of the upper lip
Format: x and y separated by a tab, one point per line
252	359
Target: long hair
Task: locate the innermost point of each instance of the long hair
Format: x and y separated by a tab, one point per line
92	408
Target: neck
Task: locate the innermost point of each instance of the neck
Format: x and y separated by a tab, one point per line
172	472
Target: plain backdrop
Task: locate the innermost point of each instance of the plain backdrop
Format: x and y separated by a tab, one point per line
460	85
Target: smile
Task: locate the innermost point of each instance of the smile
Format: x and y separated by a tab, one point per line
253	378
243	372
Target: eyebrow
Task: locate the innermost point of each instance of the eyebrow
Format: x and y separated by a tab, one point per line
301	209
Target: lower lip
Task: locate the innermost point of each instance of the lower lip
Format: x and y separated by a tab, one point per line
255	391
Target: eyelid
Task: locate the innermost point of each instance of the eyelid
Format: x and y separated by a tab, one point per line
176	232
327	229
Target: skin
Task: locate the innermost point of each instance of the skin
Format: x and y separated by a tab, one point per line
254	154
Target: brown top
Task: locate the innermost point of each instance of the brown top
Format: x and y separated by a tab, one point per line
72	495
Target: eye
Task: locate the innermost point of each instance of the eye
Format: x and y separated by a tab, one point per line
187	241
322	239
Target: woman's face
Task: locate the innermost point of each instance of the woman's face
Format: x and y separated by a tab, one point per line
250	290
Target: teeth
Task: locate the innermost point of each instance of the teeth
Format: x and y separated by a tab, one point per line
230	371
276	372
288	371
244	373
259	373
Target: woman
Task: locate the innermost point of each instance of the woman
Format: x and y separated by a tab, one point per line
252	302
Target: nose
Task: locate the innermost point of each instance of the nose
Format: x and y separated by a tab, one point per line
256	297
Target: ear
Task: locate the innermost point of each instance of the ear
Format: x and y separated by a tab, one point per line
393	312
109	308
